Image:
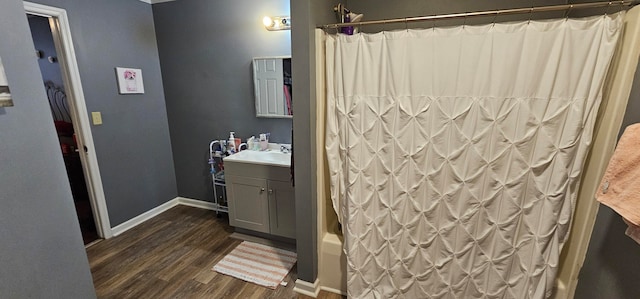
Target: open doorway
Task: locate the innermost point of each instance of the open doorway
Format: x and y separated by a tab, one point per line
54	84
54	48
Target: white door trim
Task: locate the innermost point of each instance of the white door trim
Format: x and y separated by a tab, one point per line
80	116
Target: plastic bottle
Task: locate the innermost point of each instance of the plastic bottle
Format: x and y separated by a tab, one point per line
238	141
250	143
264	143
232	143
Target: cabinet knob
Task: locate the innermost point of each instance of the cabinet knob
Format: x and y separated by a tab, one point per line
261	190
270	191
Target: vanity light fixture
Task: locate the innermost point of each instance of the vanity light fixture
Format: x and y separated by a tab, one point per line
277	23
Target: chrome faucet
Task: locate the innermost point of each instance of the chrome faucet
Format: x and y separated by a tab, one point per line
285	149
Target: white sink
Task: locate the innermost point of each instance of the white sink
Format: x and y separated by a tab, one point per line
268	157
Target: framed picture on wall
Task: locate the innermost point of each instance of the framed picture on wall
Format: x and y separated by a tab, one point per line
5	94
129	80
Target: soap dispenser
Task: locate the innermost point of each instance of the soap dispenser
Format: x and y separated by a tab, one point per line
232	143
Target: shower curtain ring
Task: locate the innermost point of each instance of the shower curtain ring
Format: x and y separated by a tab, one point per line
566	15
495	17
606	12
530	15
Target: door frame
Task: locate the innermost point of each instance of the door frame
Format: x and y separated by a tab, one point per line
71	76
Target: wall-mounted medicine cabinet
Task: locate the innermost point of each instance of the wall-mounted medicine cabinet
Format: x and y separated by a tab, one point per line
273	87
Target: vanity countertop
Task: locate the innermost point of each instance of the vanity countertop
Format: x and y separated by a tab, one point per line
268	157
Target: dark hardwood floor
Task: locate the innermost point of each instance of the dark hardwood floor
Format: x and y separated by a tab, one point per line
171	256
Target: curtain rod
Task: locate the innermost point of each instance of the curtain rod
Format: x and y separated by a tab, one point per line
512	11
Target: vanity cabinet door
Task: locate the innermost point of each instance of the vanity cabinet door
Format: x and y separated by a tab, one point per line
248	203
282	209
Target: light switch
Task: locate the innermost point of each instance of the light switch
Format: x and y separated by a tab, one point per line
97	118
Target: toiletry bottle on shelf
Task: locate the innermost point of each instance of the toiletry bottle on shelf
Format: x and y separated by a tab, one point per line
264	143
238	141
223	146
250	143
231	145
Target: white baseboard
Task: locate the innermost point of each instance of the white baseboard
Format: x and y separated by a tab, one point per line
135	221
195	203
307	288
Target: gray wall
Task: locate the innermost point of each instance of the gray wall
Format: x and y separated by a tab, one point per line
133	145
43	41
306	15
206	48
612	266
41	252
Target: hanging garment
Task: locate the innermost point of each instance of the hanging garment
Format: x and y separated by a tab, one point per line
455	154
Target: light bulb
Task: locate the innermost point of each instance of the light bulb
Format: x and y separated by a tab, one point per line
267	21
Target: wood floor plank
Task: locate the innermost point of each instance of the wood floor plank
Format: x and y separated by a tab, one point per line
172	256
204	276
180	263
102	251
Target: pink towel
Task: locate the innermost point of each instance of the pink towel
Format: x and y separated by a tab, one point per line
620	186
633	231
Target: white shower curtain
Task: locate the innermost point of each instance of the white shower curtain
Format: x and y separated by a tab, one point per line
455	154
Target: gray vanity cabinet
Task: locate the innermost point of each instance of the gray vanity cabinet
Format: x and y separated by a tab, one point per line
282	209
261	198
248	203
